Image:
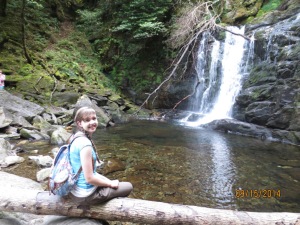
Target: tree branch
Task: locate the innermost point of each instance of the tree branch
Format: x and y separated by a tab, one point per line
191	24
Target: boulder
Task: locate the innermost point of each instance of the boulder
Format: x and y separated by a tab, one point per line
42	161
103	118
11	160
45	127
60	136
4	119
33	134
19	107
43	174
256	131
5	150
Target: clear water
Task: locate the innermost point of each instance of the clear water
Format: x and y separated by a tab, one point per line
176	164
192	166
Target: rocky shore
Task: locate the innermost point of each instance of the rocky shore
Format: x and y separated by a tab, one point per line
25	121
22	119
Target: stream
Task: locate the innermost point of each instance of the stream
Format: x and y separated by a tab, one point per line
192	166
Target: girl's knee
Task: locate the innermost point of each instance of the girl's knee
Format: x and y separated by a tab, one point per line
125	188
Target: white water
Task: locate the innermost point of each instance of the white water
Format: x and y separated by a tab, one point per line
217	96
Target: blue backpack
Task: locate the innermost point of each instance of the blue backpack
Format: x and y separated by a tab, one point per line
62	178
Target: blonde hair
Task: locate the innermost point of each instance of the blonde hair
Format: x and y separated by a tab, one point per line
82	113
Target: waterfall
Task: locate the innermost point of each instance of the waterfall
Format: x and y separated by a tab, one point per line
219	76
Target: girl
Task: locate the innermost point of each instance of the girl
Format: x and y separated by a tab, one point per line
91	187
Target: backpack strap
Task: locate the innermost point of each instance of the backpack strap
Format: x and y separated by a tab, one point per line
73	139
94	148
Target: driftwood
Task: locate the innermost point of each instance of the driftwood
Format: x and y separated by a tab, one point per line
135	210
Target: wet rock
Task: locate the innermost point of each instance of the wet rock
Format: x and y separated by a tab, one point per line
252	130
4	120
5	149
11	180
61	98
10	136
113	165
259	112
11	160
42	161
20	121
41	124
239	10
33	134
60	136
43	174
281	118
54	151
58	115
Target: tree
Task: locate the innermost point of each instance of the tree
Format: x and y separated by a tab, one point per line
23	24
193	20
128	37
3	4
143	19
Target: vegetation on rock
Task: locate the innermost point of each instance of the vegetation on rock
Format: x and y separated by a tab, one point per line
99	45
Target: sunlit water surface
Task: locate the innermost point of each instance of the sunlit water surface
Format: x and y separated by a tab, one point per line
176	164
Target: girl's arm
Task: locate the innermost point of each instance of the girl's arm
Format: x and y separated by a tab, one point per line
87	168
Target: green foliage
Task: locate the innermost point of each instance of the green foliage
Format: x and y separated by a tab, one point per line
56	49
73	59
34	4
143	19
128	37
269	6
88	20
26	70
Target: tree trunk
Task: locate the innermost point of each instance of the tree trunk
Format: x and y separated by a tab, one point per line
28	58
3	4
135	210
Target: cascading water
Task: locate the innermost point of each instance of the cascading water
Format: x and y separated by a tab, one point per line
219	81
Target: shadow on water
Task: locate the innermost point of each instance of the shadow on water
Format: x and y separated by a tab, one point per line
176	164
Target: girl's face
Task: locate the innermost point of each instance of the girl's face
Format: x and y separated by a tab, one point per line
89	123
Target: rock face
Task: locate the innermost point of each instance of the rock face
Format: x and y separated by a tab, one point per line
238	10
270	95
19	107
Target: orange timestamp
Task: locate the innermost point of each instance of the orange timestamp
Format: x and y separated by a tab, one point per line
257	193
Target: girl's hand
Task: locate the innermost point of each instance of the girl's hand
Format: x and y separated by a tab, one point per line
114	184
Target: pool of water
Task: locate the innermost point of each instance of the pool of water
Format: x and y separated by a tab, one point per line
192	166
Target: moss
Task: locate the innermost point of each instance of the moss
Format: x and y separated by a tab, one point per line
56	49
268	7
26	70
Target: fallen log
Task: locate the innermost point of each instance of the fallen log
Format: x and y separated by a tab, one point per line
135	210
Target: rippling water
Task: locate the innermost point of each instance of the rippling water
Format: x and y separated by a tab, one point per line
176	164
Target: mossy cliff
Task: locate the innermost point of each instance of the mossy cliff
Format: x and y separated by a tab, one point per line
59	58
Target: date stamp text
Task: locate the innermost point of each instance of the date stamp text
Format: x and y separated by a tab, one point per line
257	193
